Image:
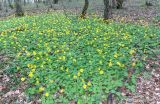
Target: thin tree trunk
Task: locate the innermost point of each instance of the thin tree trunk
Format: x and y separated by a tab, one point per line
84	11
5	5
10	4
55	1
1	5
24	2
19	9
106	9
114	4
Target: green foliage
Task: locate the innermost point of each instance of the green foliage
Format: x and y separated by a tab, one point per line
48	100
83	60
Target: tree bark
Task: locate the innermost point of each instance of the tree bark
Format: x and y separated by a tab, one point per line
1	5
19	9
55	1
106	9
10	4
114	4
84	11
148	3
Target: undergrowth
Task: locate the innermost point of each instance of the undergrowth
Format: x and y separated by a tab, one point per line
68	59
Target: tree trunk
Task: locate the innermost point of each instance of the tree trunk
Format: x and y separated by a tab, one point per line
114	4
10	4
55	1
148	3
5	5
120	4
1	5
24	2
84	11
19	10
106	9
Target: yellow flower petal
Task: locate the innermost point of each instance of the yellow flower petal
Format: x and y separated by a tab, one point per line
74	77
110	64
85	86
133	64
89	83
81	70
22	79
101	72
41	89
62	90
115	55
30	75
132	52
79	74
46	94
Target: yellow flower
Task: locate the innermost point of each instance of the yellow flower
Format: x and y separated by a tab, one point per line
74	60
67	32
23	48
18	68
33	70
74	77
34	66
42	66
37	82
22	79
34	53
40	53
79	74
62	58
85	86
133	64
122	65
67	70
46	94
46	44
122	45
115	55
110	64
28	54
41	89
82	80
99	51
81	70
48	49
30	74
131	52
89	83
18	54
61	68
51	81
101	72
56	51
28	65
119	64
62	90
37	58
100	62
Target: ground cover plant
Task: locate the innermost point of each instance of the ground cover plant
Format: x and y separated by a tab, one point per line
70	59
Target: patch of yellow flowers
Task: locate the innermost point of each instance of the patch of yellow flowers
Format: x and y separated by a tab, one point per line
50	53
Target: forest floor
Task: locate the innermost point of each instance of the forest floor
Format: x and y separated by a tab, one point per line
148	83
143	15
